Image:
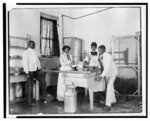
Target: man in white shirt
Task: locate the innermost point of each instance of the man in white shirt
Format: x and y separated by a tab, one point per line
109	73
32	66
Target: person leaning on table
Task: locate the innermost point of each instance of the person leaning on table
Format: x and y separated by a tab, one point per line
110	72
32	67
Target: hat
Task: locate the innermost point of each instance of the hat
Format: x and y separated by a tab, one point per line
66	46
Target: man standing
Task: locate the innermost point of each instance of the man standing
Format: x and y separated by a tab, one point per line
32	66
110	73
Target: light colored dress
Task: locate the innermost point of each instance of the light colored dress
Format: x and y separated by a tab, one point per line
65	65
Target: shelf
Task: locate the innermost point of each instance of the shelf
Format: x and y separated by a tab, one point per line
20	78
20	38
122	65
71	38
48	57
18	47
15	58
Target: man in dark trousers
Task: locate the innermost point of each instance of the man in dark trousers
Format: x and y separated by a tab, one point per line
32	67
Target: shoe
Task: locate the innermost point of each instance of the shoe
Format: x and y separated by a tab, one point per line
107	108
32	104
48	95
102	102
54	100
113	104
43	100
98	105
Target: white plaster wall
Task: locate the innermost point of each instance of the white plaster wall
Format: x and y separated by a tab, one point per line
99	27
23	22
27	21
102	26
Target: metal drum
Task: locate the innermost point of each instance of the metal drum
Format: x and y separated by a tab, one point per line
18	90
12	92
77	49
70	100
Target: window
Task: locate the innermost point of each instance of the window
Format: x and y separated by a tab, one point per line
49	43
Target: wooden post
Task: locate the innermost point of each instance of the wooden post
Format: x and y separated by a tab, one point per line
86	92
91	99
139	62
112	49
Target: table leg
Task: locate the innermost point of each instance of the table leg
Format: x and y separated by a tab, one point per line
86	92
91	99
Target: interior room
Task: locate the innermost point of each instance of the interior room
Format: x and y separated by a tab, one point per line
118	28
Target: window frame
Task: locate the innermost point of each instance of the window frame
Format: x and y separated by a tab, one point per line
49	18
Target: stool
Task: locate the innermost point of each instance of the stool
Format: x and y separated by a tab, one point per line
36	90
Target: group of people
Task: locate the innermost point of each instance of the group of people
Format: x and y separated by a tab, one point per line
99	58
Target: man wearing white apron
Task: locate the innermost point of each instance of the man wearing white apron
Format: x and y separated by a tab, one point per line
66	62
110	72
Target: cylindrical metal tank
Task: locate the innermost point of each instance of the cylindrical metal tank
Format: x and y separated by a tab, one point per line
12	92
18	90
70	100
77	49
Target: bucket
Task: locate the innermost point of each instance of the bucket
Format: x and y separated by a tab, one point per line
12	92
18	90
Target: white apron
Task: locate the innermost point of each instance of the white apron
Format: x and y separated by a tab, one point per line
65	65
92	59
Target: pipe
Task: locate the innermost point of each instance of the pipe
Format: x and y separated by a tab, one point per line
68	16
87	14
93	13
62	30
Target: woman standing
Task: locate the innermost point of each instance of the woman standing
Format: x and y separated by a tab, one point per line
66	62
92	57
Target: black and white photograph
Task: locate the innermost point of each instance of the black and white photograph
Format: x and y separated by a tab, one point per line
76	60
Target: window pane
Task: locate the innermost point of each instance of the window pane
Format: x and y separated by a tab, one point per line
49	38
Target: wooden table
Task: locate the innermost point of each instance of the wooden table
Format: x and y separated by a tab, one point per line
84	79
